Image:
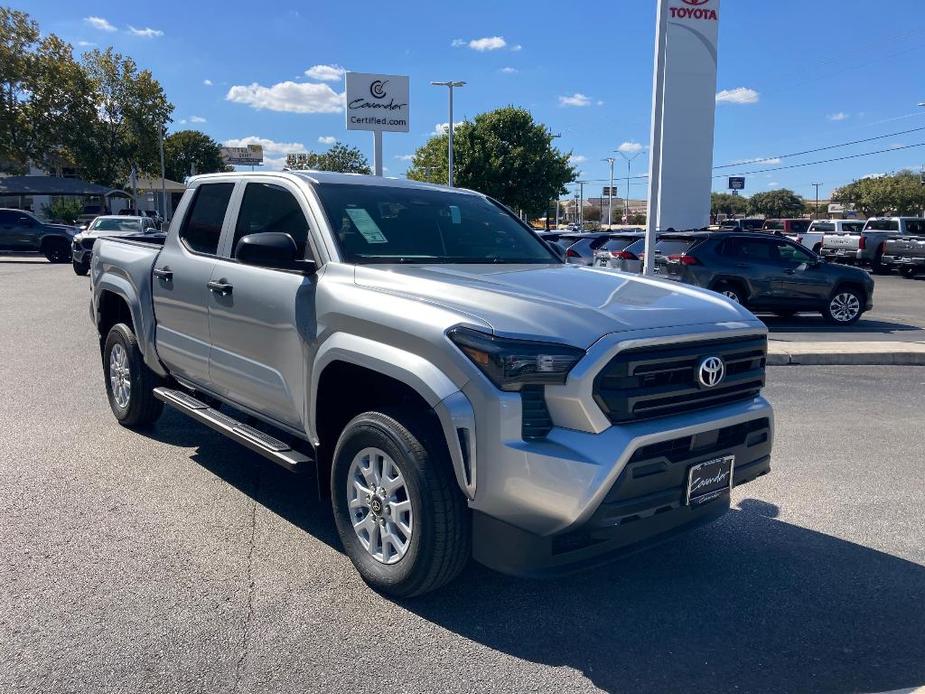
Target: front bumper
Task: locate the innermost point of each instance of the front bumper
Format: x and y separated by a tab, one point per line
642	501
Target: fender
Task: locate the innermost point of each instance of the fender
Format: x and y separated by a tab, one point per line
142	310
452	407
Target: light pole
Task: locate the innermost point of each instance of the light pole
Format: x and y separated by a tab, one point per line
450	86
610	160
163	183
626	193
581	203
816	186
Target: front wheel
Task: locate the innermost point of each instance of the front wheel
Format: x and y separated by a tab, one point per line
908	272
399	513
57	251
80	268
844	307
130	383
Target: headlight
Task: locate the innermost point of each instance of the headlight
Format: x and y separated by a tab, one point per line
510	364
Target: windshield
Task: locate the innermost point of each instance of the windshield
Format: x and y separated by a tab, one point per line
618	244
882	225
380	224
115	224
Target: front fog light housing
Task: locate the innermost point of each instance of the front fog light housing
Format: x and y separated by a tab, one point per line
511	364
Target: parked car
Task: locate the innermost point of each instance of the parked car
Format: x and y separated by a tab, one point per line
787	227
812	238
866	247
24	232
630	258
772	274
581	251
906	254
105	225
746	224
461	390
612	252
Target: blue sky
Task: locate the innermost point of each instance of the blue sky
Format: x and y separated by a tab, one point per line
797	75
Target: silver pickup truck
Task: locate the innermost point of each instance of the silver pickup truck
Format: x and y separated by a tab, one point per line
906	254
866	247
459	389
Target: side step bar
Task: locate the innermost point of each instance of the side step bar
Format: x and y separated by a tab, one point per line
259	442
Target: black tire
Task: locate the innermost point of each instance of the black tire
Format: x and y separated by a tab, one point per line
57	251
142	408
440	542
817	248
731	291
908	272
878	268
830	313
80	268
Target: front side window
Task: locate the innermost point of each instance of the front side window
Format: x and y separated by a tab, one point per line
882	225
267	207
791	253
384	224
203	224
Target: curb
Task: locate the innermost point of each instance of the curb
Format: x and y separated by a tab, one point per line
846	353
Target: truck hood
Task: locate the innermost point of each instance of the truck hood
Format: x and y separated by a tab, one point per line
559	303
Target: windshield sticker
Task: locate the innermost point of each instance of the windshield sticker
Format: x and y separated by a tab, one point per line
365	225
455	214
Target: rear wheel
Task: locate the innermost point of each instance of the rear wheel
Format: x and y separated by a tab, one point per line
399	513
878	268
844	307
908	272
130	383
731	291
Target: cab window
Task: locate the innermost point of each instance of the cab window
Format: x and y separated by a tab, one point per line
267	207
203	224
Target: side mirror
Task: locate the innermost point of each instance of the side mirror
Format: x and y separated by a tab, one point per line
271	249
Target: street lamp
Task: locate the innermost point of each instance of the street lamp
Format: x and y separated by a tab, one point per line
626	192
610	160
449	86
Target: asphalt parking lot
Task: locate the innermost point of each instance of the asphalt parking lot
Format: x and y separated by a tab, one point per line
175	561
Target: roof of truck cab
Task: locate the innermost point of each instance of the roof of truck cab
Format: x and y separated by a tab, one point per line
331	177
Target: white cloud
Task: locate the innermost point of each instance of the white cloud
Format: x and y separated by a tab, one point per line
773	184
576	99
99	23
630	147
874	175
291	97
327	139
516	47
838	116
577	159
197	119
487	43
325	73
599	102
739	95
208	83
274	153
146	33
86	44
509	70
404	157
441	128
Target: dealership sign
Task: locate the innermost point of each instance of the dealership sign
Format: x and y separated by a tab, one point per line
737	183
377	102
251	155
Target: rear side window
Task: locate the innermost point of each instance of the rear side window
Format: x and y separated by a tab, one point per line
822	226
773	225
882	225
798	226
750	249
267	207
852	226
915	226
203	224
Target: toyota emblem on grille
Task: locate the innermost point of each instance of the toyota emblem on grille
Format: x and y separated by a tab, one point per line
711	372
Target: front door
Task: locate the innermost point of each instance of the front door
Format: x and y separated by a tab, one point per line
260	317
182	273
799	282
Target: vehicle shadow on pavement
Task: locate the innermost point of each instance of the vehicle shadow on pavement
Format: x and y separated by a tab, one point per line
750	603
817	324
292	497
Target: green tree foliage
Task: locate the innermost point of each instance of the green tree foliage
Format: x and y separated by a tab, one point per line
502	153
776	203
902	193
44	95
727	204
191	151
339	157
65	210
131	107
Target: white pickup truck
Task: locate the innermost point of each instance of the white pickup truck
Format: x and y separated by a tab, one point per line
813	236
866	247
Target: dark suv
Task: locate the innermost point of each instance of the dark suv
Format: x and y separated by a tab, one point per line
769	273
22	231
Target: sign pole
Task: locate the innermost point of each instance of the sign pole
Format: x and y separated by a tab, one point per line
655	143
377	152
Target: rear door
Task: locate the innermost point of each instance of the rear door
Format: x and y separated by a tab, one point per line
752	260
182	272
262	317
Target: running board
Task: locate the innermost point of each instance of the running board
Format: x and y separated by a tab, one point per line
269	447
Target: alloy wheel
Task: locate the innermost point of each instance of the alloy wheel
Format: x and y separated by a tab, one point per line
379	505
844	307
730	294
120	376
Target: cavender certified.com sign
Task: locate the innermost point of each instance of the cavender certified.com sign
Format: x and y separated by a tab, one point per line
377	102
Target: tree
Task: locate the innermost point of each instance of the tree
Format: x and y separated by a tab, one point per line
65	210
131	107
727	204
902	193
502	153
776	203
45	96
339	157
190	151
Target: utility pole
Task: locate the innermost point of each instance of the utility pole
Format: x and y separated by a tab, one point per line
163	183
816	186
626	192
581	202
610	160
450	86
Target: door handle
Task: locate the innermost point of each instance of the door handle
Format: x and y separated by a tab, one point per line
163	273
220	288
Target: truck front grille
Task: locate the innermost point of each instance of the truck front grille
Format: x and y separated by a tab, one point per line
646	382
535	419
